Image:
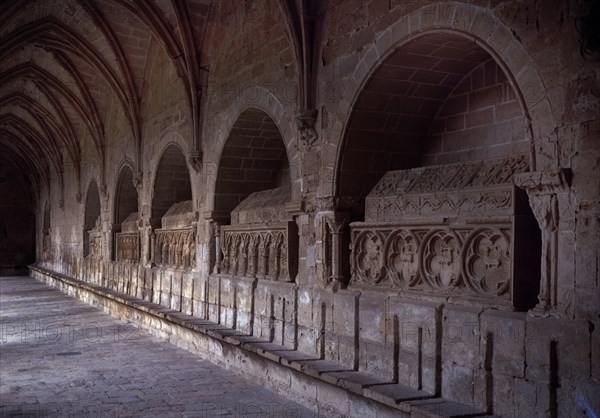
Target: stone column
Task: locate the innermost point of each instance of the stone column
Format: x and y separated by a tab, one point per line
217	247
542	189
337	224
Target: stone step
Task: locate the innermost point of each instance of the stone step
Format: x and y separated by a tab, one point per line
399	397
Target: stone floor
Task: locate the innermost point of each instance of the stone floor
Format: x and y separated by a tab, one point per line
61	357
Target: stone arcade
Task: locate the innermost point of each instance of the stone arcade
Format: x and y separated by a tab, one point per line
373	207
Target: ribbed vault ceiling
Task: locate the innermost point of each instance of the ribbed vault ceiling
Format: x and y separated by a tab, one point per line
63	64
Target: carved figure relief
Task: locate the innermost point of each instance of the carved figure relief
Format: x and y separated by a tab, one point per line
402	258
368	257
487	261
128	247
264	252
440	258
175	248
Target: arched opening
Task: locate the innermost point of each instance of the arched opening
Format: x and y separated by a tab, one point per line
17	221
254	159
252	190
126	236
91	220
437	122
172	183
173	216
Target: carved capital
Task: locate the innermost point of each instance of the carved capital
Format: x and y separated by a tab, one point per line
337	223
78	197
544	182
195	161
306	125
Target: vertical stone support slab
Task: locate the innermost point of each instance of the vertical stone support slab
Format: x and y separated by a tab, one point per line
227	300
284	306
244	303
156	285
214	298
375	357
308	329
187	291
275	312
141	283
165	288
148	283
460	352
176	285
263	326
200	295
542	189
413	328
323	320
502	358
345	328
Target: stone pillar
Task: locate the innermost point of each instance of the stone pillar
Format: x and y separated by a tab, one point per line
337	225
217	247
542	189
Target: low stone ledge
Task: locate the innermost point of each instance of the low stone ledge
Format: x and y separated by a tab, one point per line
234	349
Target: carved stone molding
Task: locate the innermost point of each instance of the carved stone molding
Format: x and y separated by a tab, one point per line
446	191
544	182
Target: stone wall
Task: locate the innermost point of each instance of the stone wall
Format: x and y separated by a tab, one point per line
398	85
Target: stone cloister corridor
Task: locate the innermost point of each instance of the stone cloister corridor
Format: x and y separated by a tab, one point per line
315	207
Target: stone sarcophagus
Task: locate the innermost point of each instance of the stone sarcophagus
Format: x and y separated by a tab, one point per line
175	243
459	231
261	243
128	240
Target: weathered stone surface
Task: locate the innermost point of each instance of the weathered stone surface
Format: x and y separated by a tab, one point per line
263	207
434	166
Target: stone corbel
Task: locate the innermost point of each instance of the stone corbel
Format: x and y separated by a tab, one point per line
103	191
306	125
337	223
195	161
138	177
542	188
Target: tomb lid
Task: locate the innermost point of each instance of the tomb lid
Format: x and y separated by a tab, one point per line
263	207
479	187
180	215
130	223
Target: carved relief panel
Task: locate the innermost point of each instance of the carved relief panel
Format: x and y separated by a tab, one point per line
263	251
175	248
447	230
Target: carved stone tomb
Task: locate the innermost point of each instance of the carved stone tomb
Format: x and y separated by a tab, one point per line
460	231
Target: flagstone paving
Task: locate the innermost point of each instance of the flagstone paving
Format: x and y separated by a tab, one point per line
61	357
